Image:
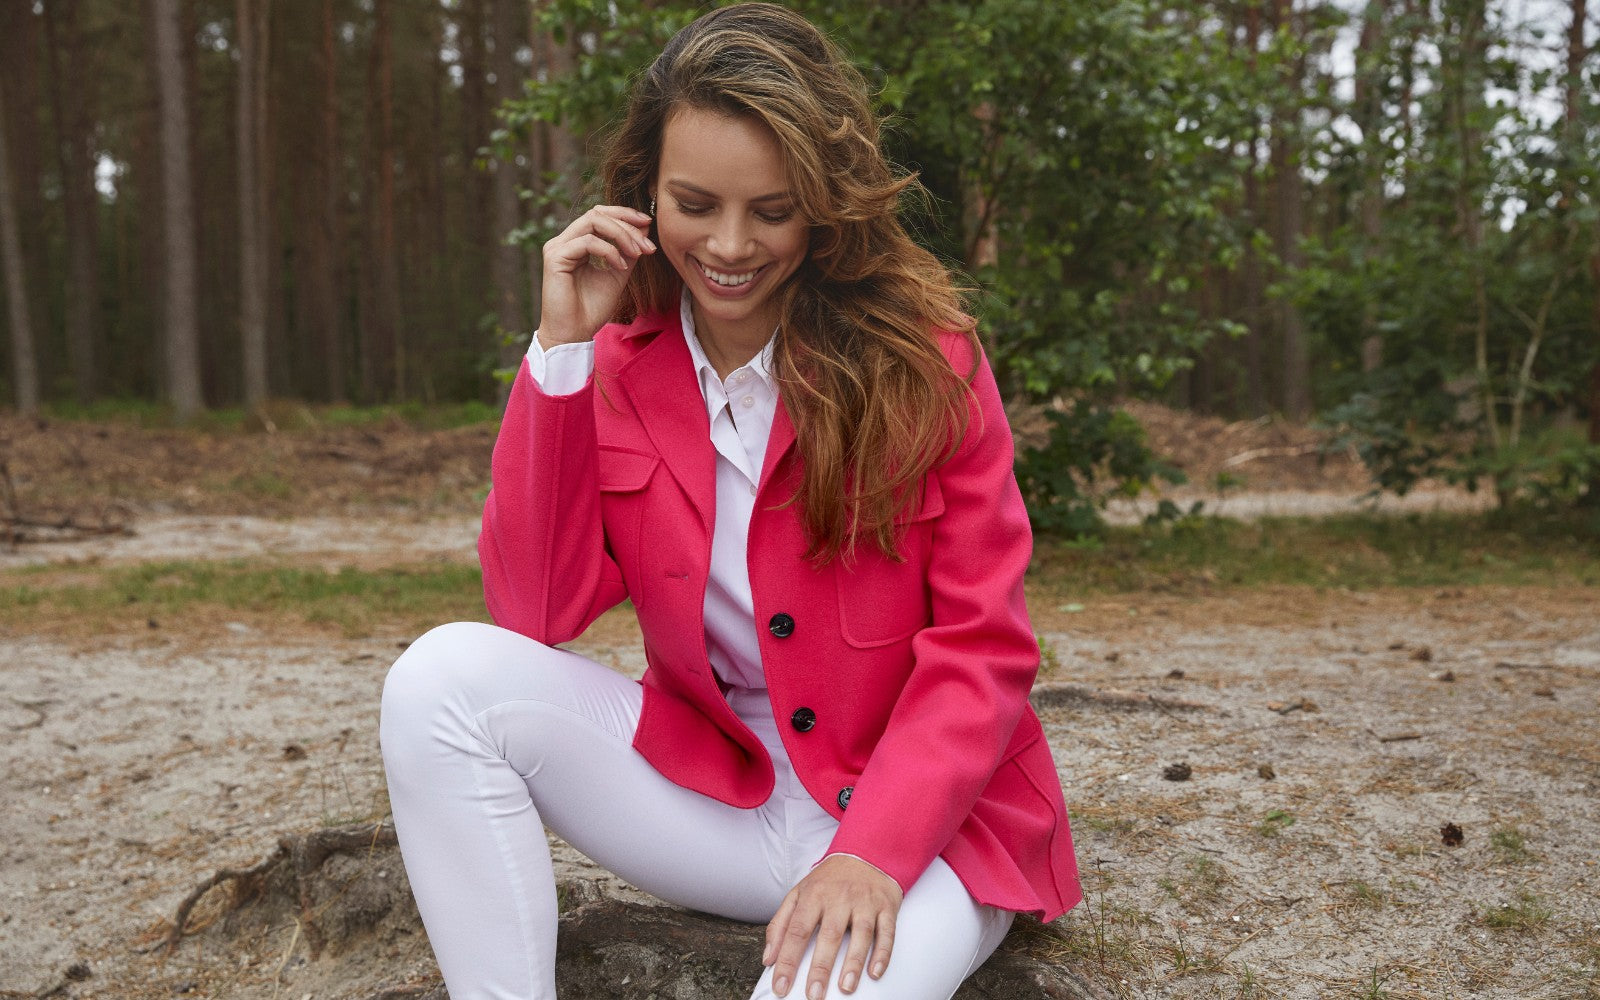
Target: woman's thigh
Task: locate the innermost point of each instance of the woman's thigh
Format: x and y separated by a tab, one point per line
553	731
941	937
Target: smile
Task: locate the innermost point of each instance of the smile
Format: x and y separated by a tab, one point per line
728	280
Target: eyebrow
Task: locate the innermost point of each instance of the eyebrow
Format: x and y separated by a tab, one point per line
702	192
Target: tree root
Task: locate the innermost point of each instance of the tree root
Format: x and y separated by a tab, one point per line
304	853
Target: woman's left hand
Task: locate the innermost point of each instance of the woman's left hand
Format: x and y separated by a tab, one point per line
841	895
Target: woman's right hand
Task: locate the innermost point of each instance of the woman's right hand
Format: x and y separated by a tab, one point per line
586	269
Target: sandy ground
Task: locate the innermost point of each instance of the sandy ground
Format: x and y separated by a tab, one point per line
137	763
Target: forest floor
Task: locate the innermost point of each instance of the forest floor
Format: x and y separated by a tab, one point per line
1386	792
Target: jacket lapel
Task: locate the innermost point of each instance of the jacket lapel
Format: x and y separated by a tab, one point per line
660	382
778	444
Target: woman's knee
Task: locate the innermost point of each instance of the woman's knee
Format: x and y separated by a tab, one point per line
438	672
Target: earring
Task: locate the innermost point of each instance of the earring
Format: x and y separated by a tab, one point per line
652	206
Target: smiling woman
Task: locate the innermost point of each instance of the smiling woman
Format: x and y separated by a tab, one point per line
727	224
755	409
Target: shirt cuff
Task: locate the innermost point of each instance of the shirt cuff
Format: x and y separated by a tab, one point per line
563	369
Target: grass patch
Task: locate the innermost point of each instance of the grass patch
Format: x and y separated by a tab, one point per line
355	601
289	415
1509	846
1201	880
1355	551
1527	913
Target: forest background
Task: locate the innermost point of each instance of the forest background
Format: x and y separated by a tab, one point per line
1383	214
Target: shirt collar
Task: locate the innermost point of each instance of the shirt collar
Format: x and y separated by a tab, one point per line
711	387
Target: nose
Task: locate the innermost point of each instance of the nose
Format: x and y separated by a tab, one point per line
731	238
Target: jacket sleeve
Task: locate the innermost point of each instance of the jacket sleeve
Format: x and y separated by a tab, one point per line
546	571
973	665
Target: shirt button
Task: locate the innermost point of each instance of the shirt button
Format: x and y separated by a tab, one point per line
844	796
741	376
781	625
752	491
748	401
803	719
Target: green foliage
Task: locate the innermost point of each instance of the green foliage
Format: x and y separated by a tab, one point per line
1087	446
1478	280
1087	159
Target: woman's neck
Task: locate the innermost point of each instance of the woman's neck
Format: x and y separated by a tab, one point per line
729	349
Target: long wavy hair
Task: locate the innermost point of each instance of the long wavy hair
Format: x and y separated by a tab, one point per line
874	401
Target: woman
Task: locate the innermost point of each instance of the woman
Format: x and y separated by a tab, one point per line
789	454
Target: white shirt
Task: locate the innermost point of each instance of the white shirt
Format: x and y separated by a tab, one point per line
740	408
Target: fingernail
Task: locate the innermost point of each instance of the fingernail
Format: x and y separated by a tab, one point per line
849	982
780	986
877	970
816	991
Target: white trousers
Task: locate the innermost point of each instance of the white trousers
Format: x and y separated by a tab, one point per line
488	737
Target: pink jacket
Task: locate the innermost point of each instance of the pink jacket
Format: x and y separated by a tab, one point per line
902	687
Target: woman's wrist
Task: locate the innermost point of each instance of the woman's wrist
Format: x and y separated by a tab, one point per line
552	339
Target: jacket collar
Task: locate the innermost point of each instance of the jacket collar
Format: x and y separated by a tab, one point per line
658	375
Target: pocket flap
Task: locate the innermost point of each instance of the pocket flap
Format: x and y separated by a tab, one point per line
623	470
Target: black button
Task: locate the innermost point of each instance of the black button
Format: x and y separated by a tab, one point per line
844	796
781	625
803	719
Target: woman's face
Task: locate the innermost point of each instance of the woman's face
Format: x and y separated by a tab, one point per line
728	222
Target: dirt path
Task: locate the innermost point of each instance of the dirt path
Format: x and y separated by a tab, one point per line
135	765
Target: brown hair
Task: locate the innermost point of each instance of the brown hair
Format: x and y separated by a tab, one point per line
874	401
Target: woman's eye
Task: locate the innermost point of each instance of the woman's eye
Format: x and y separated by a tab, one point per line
688	209
775	218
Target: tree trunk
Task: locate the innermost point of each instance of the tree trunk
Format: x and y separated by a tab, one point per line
1289	195
1371	71
1254	310
1464	94
1577	52
323	245
381	373
508	270
76	158
475	225
19	55
250	137
182	342
24	362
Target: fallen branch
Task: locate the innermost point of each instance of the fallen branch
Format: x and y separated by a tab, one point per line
1057	695
1286	451
1396	737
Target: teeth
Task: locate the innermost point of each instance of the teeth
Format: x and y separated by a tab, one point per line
728	280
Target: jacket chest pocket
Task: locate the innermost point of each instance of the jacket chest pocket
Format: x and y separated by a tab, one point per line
624	475
881	601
